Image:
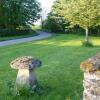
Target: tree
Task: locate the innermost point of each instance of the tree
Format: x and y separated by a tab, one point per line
15	13
54	21
85	13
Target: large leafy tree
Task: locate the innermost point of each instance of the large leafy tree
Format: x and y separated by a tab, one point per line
14	13
85	13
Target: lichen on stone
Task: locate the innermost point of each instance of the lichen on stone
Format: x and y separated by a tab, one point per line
92	64
25	62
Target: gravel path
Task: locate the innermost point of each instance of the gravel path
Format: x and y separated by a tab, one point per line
42	35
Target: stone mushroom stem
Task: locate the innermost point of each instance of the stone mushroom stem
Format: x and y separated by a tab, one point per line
26	77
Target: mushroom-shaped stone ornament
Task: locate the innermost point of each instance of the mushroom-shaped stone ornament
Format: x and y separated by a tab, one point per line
26	66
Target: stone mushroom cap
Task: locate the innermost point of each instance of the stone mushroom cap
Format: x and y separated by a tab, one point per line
92	64
25	62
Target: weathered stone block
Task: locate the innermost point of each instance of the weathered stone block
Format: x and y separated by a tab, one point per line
91	82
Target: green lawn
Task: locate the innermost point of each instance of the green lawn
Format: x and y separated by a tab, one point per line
36	27
60	74
18	37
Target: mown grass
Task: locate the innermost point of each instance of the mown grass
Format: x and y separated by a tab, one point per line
60	74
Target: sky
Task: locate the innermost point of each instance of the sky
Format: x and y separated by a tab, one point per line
46	8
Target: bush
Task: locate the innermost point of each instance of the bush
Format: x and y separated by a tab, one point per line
13	32
87	44
95	30
55	23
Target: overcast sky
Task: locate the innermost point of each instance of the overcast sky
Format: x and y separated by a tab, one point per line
46	7
46	4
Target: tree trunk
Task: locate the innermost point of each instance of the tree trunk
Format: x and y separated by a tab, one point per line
87	35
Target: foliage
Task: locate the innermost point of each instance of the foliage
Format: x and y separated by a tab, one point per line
15	13
55	22
85	13
95	30
18	36
13	32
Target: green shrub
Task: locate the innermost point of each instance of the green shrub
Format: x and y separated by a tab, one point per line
55	23
13	32
95	31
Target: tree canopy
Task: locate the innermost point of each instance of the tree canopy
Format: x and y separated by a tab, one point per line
55	22
85	13
14	13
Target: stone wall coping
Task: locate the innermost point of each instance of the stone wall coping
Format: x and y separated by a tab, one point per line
92	64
